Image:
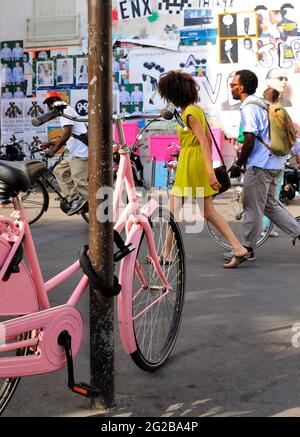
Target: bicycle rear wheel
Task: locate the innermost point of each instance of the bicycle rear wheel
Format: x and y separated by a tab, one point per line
9	385
230	206
156	324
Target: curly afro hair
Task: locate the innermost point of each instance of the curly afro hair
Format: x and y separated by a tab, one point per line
179	88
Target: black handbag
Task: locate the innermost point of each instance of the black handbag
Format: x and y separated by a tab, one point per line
220	172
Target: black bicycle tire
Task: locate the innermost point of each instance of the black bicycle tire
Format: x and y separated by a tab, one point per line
138	356
10	385
44	204
226	245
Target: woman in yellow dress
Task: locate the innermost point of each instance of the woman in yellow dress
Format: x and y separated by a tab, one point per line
195	175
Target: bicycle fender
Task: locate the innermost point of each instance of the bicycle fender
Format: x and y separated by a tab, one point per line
150	207
126	276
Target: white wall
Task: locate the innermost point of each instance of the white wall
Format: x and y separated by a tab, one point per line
13	15
12	18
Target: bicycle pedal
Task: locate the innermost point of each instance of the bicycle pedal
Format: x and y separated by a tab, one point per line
85	390
124	251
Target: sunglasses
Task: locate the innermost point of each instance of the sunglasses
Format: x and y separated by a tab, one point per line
281	78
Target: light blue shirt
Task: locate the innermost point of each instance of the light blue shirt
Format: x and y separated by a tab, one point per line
255	120
17	53
5	53
136	96
19	95
18	74
295	149
7	95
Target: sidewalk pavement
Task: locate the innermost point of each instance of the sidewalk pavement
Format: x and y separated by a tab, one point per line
234	355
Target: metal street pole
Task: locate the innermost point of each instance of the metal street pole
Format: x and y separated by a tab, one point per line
100	175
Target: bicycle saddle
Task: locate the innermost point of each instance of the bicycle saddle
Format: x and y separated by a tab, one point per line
19	176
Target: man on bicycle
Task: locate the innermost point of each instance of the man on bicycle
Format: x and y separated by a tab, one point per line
72	172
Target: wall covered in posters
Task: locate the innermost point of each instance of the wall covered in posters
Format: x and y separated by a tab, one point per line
211	39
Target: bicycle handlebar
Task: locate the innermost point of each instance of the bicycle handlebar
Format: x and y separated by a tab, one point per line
166	114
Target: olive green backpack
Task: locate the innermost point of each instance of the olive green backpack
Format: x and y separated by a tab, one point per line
281	130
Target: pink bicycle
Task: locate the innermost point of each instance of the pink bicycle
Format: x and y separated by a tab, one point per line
36	339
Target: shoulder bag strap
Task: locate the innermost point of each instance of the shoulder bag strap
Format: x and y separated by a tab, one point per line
215	142
255	102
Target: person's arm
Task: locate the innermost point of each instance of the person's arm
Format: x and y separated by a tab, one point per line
236	168
206	149
249	140
54	147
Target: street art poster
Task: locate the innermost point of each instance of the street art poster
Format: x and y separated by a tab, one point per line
79	101
147	65
12	116
279	28
164	30
34	108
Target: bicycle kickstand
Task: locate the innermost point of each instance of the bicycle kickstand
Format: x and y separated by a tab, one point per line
64	340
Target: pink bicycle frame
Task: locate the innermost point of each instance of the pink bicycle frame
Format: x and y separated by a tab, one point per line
28	291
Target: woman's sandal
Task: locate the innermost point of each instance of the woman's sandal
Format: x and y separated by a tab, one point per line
162	260
235	261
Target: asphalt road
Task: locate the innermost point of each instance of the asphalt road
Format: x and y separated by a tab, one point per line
234	354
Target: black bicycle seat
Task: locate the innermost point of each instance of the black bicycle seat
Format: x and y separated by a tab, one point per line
19	176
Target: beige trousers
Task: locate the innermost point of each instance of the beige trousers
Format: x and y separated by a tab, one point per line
72	177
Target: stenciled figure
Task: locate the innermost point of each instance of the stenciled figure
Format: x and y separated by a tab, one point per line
13	111
35	110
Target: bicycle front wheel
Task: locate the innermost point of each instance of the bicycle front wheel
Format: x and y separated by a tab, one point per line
230	206
35	201
156	318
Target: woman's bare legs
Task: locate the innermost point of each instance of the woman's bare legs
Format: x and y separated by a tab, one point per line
221	224
175	206
210	214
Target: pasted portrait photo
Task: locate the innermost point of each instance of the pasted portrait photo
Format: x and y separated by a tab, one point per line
247	51
81	71
64	71
246	24
44	73
228	51
227	25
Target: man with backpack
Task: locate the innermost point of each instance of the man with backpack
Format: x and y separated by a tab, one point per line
72	172
262	166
